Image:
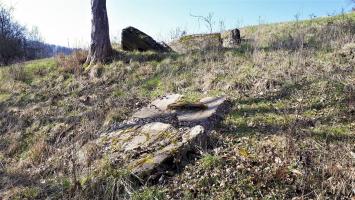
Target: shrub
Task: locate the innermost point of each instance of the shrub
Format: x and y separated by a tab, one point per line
17	72
72	63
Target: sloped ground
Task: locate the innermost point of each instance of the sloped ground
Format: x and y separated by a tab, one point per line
290	132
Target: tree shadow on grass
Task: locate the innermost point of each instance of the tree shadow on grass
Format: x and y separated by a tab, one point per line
8	180
140	57
267	120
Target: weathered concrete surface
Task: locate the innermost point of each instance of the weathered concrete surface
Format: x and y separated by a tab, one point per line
208	117
176	149
158	111
135	40
231	38
226	39
158	107
156	138
144	149
196	42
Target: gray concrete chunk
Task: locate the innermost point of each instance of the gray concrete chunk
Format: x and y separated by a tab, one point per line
203	117
156	134
157	108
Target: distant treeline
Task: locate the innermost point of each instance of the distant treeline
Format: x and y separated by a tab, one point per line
19	44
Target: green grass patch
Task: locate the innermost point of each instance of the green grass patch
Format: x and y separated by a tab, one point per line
36	67
29	71
118	93
338	132
209	161
28	193
4	96
152	87
149	193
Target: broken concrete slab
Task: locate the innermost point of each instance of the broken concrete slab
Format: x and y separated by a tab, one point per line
135	40
231	38
196	42
155	162
187	106
148	134
207	117
158	108
146	148
206	112
157	137
226	39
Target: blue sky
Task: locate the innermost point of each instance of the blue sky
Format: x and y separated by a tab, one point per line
67	22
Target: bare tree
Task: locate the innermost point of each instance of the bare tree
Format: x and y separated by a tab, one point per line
100	47
17	43
12	37
208	20
177	33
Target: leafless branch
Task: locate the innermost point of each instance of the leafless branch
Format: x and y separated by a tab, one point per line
208	20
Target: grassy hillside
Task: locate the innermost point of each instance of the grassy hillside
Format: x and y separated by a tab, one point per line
290	132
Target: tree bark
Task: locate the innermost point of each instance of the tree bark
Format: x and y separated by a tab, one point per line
100	47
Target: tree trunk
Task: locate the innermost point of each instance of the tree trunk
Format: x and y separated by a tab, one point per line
100	47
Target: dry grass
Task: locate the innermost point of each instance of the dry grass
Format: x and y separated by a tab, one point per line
39	152
289	133
72	63
16	72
